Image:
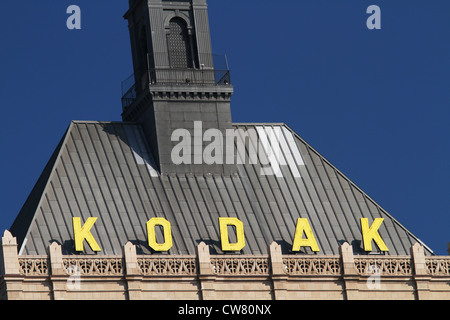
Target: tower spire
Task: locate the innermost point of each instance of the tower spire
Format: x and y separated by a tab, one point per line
176	83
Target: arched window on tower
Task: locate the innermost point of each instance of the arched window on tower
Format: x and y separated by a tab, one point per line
179	45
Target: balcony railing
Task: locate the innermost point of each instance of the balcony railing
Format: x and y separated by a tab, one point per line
193	77
219	75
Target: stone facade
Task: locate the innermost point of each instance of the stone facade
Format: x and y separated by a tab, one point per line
206	277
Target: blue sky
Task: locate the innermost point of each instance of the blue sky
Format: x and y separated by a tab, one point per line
375	103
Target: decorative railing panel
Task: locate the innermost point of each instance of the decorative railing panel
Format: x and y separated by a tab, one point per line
312	266
240	266
93	266
438	265
167	266
33	266
384	266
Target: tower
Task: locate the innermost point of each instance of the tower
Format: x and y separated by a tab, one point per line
177	81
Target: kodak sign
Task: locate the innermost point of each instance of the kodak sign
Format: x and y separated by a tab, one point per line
304	235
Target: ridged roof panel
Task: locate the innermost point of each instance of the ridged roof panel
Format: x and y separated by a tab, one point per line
105	170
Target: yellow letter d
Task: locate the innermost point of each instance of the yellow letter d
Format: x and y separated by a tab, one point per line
226	245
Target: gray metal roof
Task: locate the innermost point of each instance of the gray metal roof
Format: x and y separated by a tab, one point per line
104	170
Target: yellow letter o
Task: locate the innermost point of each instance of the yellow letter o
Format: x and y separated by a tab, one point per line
151	224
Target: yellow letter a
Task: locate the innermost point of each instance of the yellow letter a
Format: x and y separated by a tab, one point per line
84	233
310	241
371	233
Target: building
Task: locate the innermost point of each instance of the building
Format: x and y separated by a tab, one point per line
178	202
